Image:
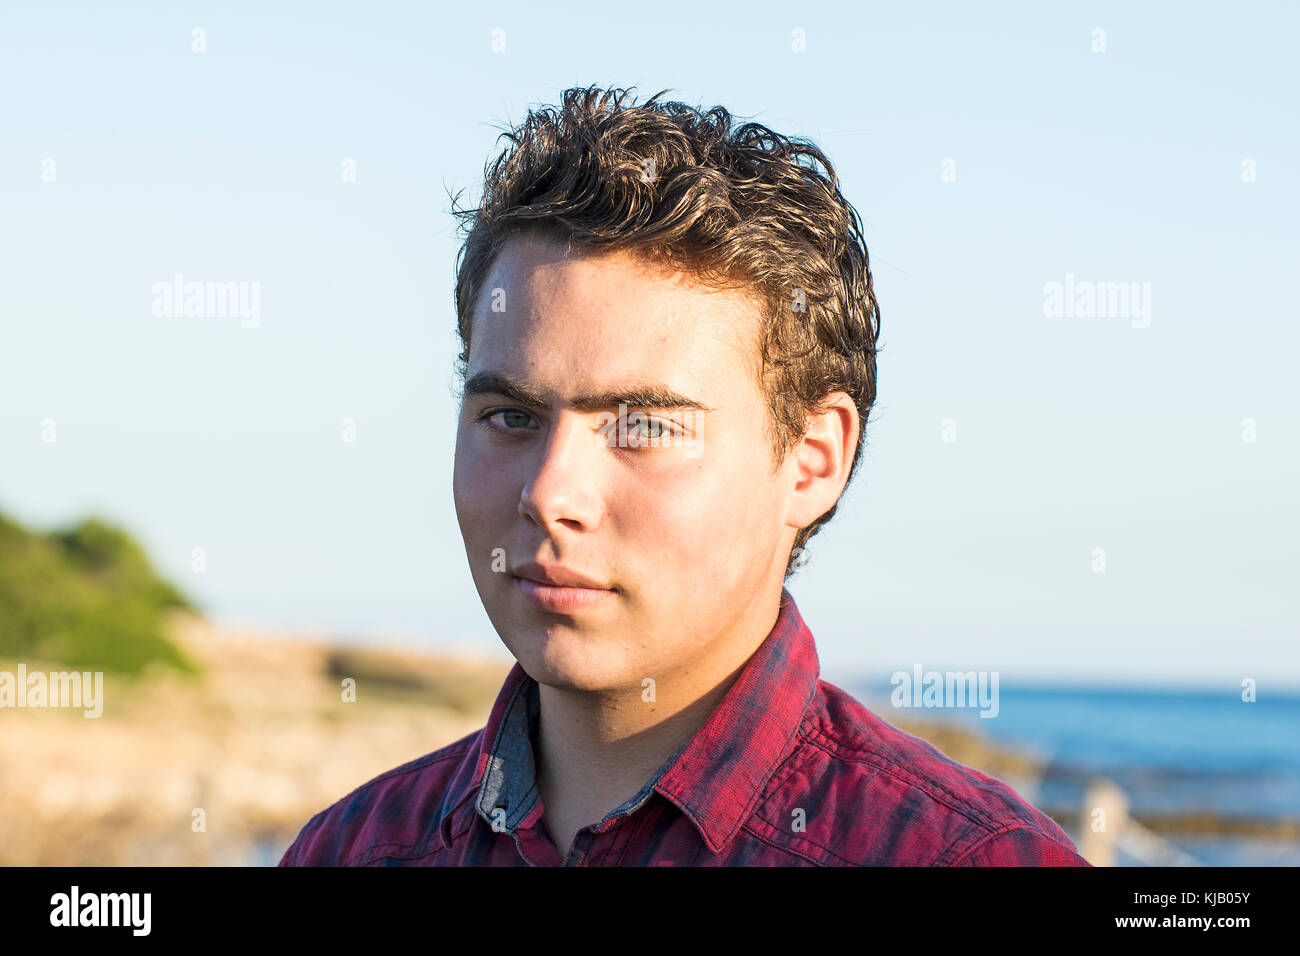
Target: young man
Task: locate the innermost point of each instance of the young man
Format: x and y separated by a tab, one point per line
668	331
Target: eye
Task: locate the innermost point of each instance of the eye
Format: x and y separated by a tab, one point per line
639	430
652	428
513	419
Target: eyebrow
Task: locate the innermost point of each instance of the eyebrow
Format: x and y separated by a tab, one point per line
651	395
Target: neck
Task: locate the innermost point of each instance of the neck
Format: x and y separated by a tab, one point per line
598	749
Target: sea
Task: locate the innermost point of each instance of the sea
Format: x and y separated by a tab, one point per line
1174	752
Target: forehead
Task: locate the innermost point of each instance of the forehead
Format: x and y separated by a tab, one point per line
557	315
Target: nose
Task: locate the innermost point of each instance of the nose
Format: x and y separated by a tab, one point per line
564	489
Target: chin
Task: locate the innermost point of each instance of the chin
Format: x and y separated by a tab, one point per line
569	661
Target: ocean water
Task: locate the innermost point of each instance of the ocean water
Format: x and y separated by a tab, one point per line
1172	751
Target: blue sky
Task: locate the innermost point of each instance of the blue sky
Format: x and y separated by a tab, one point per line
1072	433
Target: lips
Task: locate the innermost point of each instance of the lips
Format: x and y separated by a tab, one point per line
557	589
556	575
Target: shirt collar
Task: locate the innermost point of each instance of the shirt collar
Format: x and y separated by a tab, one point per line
508	788
715	778
718	779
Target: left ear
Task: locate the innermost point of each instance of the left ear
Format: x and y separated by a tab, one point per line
823	459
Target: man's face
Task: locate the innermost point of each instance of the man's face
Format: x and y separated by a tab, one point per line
681	535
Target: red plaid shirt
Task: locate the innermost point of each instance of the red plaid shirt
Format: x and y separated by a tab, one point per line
787	770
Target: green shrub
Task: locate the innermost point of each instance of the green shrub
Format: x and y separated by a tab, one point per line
86	597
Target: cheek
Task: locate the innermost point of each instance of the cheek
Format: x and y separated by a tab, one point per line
693	516
476	487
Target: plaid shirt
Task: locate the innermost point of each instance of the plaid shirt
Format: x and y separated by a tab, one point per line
787	770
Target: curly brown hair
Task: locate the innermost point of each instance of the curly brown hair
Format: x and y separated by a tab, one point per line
743	208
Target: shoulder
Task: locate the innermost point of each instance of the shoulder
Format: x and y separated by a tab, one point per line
400	810
876	795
